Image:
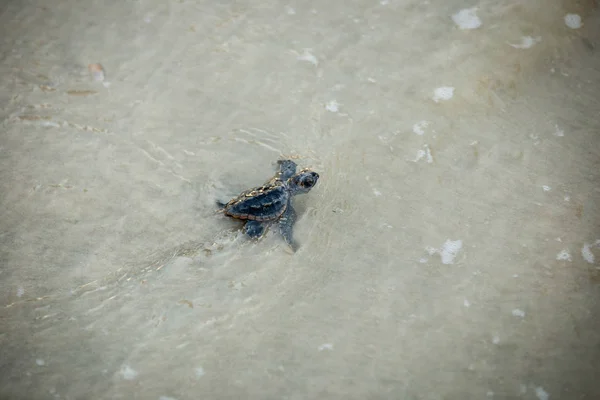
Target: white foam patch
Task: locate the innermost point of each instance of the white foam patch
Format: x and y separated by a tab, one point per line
564	255
20	291
467	18
443	93
587	254
40	362
128	373
466	303
332	106
199	372
573	21
558	132
326	346
51	124
541	394
526	42
424	154
449	250
430	250
496	339
518	313
308	56
546	188
419	127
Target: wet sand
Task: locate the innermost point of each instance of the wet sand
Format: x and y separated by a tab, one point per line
449	251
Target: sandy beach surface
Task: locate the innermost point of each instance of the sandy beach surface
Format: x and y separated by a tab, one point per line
450	251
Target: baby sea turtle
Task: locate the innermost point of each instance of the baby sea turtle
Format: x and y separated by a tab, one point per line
272	202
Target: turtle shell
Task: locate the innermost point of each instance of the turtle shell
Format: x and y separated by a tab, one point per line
265	203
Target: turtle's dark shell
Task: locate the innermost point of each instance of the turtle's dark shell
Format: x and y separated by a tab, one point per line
264	203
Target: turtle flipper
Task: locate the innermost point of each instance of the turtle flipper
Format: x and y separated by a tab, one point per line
286	226
287	168
254	229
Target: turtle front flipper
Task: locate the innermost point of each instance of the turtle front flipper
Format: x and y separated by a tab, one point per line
286	226
254	229
287	169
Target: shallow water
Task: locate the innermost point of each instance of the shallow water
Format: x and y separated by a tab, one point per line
449	251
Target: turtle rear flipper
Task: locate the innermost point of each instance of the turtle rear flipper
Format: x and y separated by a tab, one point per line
255	229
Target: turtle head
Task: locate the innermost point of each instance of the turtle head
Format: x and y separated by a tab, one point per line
303	181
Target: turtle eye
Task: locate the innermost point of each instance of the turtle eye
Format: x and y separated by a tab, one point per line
308	182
